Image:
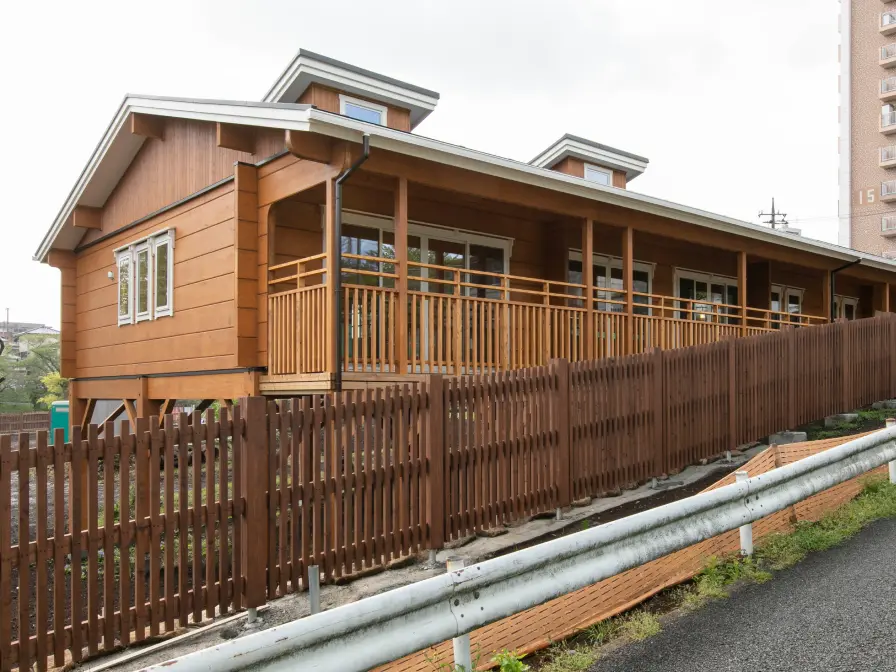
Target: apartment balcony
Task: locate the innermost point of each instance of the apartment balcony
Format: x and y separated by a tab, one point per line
887	157
888	56
888	23
888	191
888	226
887	92
888	123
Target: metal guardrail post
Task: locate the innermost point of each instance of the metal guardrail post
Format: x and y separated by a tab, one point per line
314	588
463	658
746	531
892	465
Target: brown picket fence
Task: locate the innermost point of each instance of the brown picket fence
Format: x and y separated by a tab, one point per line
109	540
12	423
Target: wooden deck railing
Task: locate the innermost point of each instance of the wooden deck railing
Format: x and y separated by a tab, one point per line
463	321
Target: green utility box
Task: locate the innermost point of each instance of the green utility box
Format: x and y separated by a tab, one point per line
59	417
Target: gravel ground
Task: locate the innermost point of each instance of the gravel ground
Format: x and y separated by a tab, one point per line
835	611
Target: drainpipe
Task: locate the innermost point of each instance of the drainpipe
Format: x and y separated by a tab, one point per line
833	280
337	281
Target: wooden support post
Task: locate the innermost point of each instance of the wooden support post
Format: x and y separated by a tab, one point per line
333	248
588	281
561	419
742	290
826	297
255	457
146	407
80	411
401	267
628	286
435	455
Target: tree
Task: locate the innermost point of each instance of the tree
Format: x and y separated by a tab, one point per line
56	387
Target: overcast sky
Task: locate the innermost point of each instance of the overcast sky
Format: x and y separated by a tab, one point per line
733	103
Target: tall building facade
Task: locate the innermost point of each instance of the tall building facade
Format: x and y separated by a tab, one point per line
867	200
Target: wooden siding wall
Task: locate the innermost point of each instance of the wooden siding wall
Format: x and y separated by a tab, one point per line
327	99
576	167
183	162
201	335
246	279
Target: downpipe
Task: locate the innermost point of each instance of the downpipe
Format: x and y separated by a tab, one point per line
382	628
337	281
833	285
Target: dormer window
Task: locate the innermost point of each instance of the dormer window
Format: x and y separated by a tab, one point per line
600	175
362	110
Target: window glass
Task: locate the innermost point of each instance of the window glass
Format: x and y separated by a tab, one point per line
491	260
362	113
641	281
143	287
445	253
849	311
599	175
163	281
360	240
124	288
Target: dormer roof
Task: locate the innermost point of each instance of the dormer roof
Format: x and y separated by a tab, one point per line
591	152
308	68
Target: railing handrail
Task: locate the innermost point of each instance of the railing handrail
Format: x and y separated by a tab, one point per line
888	118
888	51
382	628
888	187
888	18
888	84
885	220
888	153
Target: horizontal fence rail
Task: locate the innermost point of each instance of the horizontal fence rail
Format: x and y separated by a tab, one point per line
382	628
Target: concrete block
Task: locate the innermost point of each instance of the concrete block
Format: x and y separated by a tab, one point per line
840	419
881	405
783	438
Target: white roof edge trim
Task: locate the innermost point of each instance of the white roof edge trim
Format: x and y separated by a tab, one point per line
224	112
413	144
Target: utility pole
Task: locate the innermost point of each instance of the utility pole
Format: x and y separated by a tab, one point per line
774	217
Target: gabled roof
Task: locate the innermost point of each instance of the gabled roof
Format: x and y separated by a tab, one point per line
308	67
591	152
108	163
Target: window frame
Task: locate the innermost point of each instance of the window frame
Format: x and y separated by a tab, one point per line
599	169
125	257
840	303
166	238
128	254
709	279
138	249
358	102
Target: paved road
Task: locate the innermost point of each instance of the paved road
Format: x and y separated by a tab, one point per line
835	611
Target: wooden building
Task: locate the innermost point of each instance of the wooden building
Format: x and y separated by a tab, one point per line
196	252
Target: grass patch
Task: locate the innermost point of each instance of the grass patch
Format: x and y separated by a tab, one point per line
877	501
640	625
563	659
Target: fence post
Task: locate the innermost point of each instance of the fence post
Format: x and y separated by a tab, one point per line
254	485
732	393
435	456
844	366
792	418
562	421
463	658
660	465
892	465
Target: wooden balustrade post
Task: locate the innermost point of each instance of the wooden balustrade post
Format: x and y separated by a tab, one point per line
255	456
562	421
505	336
628	285
401	268
588	281
742	290
435	457
331	332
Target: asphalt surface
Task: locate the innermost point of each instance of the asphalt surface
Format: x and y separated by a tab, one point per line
835	611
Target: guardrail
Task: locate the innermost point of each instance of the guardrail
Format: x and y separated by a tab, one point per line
380	629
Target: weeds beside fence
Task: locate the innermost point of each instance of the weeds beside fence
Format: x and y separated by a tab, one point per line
110	540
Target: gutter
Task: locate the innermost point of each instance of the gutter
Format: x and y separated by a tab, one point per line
834	280
337	281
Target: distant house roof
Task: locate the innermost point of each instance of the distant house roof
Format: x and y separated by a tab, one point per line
591	152
39	331
307	68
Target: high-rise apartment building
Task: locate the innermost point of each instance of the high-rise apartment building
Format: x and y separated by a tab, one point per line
868	126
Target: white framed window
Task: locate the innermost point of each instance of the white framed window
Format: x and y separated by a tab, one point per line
142	282
786	300
600	175
124	262
373	236
146	278
363	110
706	297
846	307
608	274
163	264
